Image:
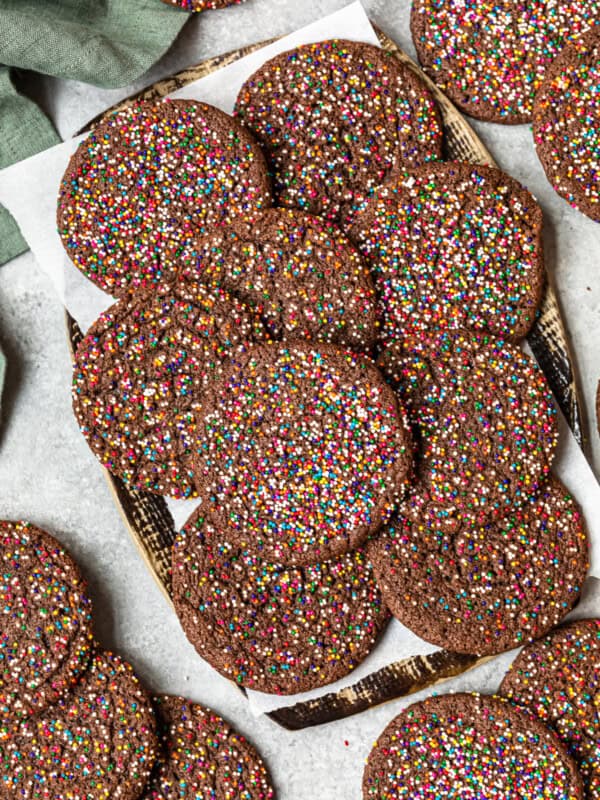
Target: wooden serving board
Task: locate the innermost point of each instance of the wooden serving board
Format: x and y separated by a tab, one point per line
147	516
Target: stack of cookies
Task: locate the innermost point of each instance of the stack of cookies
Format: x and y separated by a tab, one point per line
75	721
317	337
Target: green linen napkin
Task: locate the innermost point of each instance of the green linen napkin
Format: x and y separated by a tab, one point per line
108	43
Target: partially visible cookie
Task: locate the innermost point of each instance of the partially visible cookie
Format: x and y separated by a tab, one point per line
302	451
483	420
454	245
483	590
558	678
302	275
203	757
490	58
149	174
337	119
469	747
142	368
273	628
201	5
566	124
45	636
97	743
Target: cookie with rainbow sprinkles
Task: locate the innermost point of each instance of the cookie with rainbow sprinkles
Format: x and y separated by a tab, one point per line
201	5
45	637
471	747
566	124
484	589
149	174
202	756
558	678
302	451
336	120
269	627
454	245
491	56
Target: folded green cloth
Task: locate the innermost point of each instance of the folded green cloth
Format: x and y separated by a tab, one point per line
108	43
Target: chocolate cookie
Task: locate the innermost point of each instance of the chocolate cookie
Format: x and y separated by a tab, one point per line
558	678
490	58
483	419
201	5
566	124
273	628
469	746
483	590
203	757
45	636
454	245
337	119
150	174
97	742
302	452
140	371
301	274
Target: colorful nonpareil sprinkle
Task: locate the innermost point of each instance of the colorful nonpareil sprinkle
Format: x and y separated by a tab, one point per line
490	56
558	678
483	590
97	743
567	124
470	747
483	420
141	370
149	175
203	757
299	273
454	245
268	627
337	119
302	452
45	631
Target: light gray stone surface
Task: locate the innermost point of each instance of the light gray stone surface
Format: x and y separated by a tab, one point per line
48	475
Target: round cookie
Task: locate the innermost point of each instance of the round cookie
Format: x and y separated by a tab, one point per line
301	274
203	757
483	590
141	370
558	678
483	419
566	124
201	5
490	56
272	628
45	637
336	120
149	174
302	452
454	245
470	747
98	741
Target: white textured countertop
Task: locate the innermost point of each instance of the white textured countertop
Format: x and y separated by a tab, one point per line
48	475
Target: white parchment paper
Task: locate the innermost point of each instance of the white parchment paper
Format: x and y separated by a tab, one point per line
29	190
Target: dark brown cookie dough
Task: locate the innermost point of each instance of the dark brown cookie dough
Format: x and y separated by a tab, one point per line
302	451
490	58
45	635
483	420
141	370
97	743
203	757
483	590
273	628
566	124
558	678
469	746
301	274
337	119
454	245
150	174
